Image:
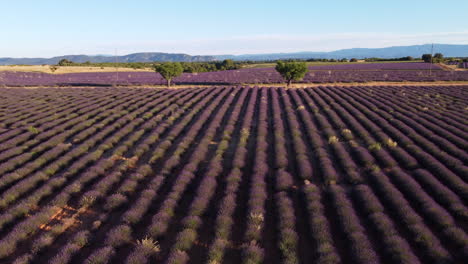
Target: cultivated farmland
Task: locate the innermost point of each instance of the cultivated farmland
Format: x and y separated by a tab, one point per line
358	174
335	73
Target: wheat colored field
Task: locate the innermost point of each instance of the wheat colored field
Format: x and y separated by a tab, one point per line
65	69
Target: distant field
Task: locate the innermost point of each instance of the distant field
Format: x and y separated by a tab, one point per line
66	69
77	69
263	65
322	73
262	76
353	174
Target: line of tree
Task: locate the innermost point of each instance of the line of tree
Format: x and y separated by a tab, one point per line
407	58
373	59
189	67
438	58
456	59
171	70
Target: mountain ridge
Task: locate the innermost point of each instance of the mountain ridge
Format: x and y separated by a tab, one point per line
449	50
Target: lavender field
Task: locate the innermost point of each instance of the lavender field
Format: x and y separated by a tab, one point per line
340	73
357	174
378	66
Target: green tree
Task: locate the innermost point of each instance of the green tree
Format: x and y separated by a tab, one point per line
169	70
427	57
291	70
353	60
64	62
226	65
438	58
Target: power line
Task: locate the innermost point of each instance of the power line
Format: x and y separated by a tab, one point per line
432	55
116	68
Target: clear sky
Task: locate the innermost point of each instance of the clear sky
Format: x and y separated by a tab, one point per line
51	27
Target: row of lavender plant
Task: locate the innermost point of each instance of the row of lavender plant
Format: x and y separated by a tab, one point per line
121	233
63	134
447	101
362	250
351	173
300	147
161	220
253	252
400	253
288	237
102	187
374	155
206	189
325	249
445	174
52	112
25	132
224	221
41	133
89	199
439	214
430	209
127	188
418	132
435	111
369	156
42	109
29	203
134	213
418	232
445	137
383	124
395	247
356	129
79	113
31	181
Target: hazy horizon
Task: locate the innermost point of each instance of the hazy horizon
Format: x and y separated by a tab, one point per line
258	53
53	28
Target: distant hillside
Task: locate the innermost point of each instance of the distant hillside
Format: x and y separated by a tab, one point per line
136	57
416	51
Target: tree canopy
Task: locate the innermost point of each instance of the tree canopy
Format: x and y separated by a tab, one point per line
65	62
226	65
291	71
437	58
169	70
426	57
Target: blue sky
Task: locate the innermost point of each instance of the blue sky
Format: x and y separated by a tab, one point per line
50	28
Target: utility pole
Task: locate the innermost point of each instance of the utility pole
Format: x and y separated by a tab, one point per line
432	56
116	68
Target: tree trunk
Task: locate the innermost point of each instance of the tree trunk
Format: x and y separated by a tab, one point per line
289	82
168	83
